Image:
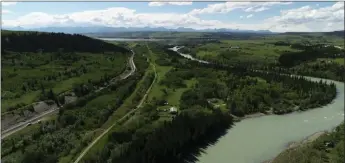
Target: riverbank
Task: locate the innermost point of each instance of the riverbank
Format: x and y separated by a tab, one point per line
273	132
255	115
295	144
308	139
327	146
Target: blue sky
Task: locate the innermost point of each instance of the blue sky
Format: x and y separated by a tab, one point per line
274	16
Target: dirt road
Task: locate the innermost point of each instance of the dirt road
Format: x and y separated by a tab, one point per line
125	116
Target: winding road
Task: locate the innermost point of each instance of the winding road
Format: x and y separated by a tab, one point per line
35	119
124	117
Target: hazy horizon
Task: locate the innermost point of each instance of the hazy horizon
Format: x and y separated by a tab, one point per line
272	16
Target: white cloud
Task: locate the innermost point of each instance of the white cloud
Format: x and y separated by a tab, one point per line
6	11
8	3
304	18
230	6
169	3
241	17
252	9
112	17
313	19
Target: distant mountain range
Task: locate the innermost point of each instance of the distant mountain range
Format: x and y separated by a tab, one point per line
96	30
102	29
333	33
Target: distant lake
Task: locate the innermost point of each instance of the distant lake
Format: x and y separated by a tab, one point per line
129	39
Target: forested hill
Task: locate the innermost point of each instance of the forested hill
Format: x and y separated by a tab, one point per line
333	33
23	41
336	33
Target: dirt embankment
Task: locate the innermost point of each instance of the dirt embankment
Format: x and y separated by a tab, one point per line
23	114
31	111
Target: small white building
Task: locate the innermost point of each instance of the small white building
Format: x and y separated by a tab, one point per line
173	110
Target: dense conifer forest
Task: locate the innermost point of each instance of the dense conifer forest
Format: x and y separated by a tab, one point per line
309	53
177	139
53	42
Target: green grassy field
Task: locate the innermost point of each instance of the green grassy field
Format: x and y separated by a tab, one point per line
25	99
157	89
174	96
339	61
248	50
259	49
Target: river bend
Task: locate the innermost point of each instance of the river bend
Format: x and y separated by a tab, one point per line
255	140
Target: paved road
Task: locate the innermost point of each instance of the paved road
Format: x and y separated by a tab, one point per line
35	119
125	116
339	47
132	65
22	125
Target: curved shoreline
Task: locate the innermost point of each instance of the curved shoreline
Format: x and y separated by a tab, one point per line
311	123
297	144
308	139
